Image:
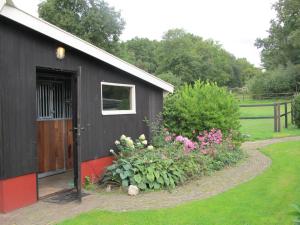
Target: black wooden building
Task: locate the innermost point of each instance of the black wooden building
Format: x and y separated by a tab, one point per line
63	103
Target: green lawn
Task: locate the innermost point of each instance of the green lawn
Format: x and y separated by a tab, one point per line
265	200
264	128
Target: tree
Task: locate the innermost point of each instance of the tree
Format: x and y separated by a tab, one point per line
92	20
283	79
191	58
181	57
283	42
171	78
242	72
140	52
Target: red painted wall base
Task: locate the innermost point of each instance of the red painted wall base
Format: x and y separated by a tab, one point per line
95	168
17	192
21	191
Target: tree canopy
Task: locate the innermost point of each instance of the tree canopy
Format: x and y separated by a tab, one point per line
92	20
179	57
283	42
183	57
280	52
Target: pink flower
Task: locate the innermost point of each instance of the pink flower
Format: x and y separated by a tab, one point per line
205	152
200	138
207	139
189	145
179	138
168	138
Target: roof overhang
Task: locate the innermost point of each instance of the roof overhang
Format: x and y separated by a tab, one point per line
10	11
2	3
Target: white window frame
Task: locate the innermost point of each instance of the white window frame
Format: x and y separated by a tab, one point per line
132	100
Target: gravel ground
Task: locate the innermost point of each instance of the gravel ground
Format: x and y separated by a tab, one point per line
43	213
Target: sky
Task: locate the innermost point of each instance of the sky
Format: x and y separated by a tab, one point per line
235	24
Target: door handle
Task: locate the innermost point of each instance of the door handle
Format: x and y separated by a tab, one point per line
76	128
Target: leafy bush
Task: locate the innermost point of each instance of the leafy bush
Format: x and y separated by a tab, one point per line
147	170
296	110
144	167
276	82
157	130
176	160
199	107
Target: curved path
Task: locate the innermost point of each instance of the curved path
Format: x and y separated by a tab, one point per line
49	213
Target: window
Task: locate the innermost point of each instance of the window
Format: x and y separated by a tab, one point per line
53	99
117	98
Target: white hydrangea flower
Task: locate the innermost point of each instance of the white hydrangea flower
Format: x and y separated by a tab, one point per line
142	137
150	147
117	142
144	142
123	137
129	142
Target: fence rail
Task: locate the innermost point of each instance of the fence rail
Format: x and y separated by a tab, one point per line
276	116
263	96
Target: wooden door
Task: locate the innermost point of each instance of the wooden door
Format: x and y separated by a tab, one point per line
55	145
54	125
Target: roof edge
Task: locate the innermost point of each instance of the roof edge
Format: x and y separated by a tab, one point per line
9	10
2	3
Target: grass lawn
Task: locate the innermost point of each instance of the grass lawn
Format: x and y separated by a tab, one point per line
264	128
265	200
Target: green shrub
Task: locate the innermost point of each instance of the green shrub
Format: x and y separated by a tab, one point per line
225	158
146	169
200	107
296	110
142	165
157	131
170	164
276	82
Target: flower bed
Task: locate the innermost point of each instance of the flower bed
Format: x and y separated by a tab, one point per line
173	160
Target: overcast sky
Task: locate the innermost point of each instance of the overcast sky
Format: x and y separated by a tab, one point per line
233	23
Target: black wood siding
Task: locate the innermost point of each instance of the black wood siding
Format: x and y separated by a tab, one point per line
21	52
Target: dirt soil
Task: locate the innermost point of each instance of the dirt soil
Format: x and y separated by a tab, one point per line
44	212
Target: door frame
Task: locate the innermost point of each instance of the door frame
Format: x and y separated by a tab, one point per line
76	118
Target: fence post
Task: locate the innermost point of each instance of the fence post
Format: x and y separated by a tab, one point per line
278	118
275	117
292	112
285	115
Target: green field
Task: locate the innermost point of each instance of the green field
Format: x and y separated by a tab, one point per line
267	199
264	128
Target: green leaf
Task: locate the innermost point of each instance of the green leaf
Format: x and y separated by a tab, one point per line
151	185
160	180
150	177
127	166
137	178
142	186
167	180
156	186
150	169
125	183
156	174
123	176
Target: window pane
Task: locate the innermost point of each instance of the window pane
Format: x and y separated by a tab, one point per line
116	97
